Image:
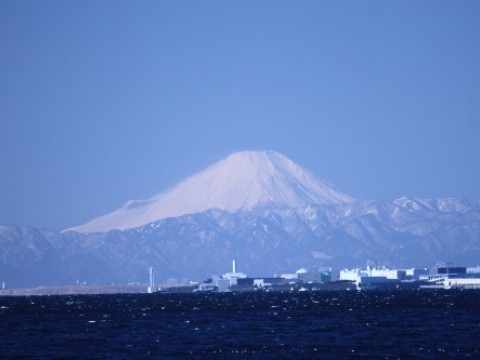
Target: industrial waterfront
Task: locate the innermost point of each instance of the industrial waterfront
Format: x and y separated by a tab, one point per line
442	276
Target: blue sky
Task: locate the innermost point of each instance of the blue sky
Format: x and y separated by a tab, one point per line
107	101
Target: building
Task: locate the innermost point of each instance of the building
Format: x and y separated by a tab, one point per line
382	277
303	275
233	276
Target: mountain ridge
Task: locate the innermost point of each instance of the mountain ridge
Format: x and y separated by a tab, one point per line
309	224
244	180
264	242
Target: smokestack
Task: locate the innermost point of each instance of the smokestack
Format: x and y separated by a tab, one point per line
150	288
233	266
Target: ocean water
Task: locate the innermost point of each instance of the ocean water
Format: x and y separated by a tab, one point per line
324	325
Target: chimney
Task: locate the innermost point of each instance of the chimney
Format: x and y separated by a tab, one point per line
151	285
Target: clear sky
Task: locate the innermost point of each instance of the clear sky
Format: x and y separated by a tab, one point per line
107	101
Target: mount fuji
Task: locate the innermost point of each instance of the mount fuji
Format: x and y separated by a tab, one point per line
259	208
244	181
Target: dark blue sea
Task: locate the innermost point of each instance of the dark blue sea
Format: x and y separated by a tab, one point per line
324	325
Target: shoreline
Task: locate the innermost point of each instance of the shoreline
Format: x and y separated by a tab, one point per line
93	289
75	290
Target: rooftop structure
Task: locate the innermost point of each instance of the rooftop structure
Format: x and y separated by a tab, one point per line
234	275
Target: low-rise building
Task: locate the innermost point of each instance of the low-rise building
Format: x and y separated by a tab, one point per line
382	277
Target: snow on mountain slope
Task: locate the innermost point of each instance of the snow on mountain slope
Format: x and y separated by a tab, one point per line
243	181
264	241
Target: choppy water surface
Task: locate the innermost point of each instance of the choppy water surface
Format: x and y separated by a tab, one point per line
402	324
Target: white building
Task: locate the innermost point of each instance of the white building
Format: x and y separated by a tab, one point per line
234	275
473	270
353	274
310	276
392	274
364	278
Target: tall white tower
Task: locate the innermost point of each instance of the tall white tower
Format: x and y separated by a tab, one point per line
152	282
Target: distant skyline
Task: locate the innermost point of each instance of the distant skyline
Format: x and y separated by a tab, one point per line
102	102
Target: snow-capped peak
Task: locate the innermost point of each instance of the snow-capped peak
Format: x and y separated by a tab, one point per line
243	181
